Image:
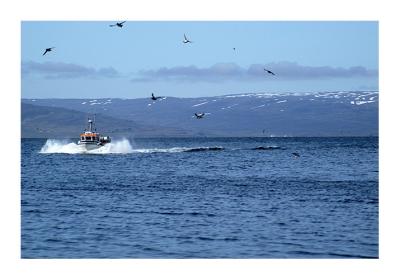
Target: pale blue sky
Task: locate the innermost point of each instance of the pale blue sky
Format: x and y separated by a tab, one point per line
93	60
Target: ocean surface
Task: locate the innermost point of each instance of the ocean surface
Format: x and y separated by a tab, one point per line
200	198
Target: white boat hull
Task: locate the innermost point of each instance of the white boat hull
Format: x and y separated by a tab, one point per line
89	146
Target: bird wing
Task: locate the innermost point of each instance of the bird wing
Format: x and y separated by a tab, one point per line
184	35
111	25
45	52
122	22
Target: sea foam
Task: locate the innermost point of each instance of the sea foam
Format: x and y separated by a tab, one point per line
54	146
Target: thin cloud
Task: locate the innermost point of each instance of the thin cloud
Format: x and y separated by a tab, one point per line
230	71
192	73
292	70
61	70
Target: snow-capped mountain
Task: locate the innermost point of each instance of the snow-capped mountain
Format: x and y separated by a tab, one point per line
339	113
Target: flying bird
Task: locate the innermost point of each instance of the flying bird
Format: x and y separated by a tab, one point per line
185	40
48	50
199	115
154	97
119	24
268	71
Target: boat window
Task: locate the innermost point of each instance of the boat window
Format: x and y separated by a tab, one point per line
87	138
82	138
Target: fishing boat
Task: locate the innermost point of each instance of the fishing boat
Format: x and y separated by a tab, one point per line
90	139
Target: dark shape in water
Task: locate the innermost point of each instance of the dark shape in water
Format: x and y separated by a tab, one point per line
296	155
267	148
202	149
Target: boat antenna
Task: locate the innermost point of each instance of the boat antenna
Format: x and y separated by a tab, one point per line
87	123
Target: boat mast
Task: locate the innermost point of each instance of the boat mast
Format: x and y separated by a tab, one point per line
90	125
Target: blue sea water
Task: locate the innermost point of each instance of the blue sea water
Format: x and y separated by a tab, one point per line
201	198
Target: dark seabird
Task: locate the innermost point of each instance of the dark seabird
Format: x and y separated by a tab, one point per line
119	24
296	155
185	40
268	71
154	97
234	49
48	50
199	115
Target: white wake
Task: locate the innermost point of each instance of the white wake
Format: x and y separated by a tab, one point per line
178	150
53	146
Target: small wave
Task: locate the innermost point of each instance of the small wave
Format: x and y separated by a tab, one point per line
178	150
267	148
53	146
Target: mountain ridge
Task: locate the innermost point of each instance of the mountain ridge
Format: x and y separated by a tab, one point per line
330	113
56	122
